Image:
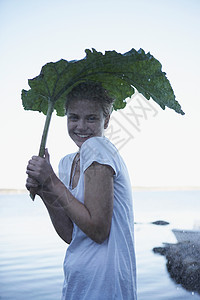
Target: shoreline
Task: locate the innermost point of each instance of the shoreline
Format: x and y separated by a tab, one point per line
13	191
135	189
166	188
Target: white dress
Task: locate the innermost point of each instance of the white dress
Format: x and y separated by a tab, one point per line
104	271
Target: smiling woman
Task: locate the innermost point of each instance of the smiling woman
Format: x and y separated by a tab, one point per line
90	204
88	109
85	120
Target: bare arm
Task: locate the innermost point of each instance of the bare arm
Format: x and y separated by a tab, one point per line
61	222
95	215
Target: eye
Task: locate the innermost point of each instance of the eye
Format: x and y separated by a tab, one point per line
73	117
92	118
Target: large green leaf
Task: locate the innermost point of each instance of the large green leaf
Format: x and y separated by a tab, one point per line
118	73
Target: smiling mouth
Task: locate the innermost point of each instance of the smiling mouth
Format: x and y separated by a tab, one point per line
83	135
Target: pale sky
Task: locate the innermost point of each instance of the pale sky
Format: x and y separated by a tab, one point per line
161	150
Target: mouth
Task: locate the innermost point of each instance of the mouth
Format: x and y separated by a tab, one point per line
83	136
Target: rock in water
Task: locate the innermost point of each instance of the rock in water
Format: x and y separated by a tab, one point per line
160	222
183	264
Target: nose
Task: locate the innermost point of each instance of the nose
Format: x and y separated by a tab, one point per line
82	125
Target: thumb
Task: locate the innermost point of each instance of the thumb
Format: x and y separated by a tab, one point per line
46	155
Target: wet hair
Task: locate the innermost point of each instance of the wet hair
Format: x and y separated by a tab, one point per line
91	91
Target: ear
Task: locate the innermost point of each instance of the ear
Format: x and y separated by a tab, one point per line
106	122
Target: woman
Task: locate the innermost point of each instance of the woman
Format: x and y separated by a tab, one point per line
91	204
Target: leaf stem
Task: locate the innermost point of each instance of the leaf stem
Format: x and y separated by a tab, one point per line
46	128
44	134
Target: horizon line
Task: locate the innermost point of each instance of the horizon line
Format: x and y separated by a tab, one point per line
134	188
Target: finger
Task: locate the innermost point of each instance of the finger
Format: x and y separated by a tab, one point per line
31	167
32	162
47	156
32	174
32	181
35	157
31	184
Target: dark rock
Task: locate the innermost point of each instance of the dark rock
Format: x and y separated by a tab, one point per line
183	264
160	250
160	222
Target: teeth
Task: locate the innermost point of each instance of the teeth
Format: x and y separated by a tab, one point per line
83	135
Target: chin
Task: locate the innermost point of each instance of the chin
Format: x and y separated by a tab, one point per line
80	141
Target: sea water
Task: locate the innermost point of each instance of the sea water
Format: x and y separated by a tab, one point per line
32	254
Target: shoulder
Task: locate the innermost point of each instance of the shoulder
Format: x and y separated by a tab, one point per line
98	144
101	150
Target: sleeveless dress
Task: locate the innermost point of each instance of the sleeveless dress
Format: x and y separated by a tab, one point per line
104	271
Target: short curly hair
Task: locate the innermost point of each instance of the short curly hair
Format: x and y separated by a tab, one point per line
91	91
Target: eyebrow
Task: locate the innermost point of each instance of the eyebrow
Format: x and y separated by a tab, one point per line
89	115
72	114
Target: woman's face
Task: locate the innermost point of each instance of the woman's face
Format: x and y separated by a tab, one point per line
85	119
